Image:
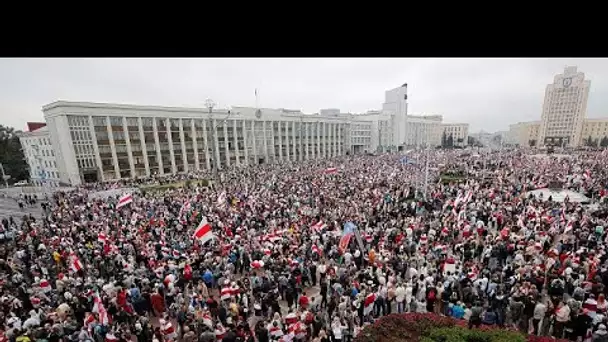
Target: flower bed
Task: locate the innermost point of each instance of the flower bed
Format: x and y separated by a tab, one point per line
429	327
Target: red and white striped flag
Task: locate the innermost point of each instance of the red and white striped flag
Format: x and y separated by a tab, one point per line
99	308
319	226
75	263
185	208
226	293
220	331
368	304
316	249
101	237
275	331
45	286
124	200
203	232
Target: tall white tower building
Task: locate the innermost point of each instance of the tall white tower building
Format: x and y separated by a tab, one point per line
564	109
395	102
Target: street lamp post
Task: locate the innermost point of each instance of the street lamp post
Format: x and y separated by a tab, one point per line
209	103
5	178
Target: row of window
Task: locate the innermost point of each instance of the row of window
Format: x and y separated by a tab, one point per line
42	163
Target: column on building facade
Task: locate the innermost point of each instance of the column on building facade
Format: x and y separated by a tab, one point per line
236	143
255	143
159	159
305	136
280	140
182	141
226	145
284	126
142	142
112	148
266	160
326	140
318	144
125	129
293	134
335	139
245	145
206	146
340	138
170	139
329	142
332	140
197	163
313	140
273	149
95	148
216	150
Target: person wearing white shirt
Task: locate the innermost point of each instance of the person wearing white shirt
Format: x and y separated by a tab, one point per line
408	293
347	258
337	327
400	298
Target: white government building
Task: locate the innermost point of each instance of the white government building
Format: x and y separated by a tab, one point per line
564	119
103	142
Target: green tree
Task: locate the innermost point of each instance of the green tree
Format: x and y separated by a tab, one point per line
11	155
604	142
450	141
444	140
588	141
532	142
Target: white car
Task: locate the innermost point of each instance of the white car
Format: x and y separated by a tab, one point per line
21	183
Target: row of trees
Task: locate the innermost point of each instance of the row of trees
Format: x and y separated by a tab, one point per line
590	142
11	156
447	141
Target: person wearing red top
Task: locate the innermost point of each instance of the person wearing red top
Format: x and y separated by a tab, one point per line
121	299
303	300
158	304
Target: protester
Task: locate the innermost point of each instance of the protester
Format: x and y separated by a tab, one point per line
315	250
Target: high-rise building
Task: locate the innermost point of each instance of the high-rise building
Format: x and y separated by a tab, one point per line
564	109
395	102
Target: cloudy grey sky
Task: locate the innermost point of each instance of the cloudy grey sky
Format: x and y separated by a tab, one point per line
487	93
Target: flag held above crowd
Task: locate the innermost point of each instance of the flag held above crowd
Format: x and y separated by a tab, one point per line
124	200
203	231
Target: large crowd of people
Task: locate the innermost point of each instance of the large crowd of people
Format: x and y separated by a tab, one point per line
316	250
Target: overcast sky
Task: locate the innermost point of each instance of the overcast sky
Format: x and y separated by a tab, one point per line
489	94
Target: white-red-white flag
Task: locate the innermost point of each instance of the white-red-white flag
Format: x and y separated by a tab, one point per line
124	200
203	232
316	249
75	263
368	304
331	170
317	227
99	308
101	237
